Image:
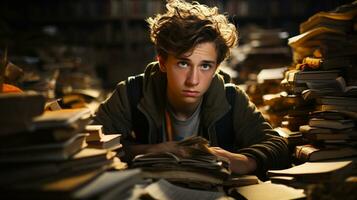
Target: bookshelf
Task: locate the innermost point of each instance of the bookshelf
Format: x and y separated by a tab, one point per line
114	31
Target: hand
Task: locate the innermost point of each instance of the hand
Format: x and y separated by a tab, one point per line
172	147
239	163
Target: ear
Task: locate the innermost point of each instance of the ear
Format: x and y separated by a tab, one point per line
161	64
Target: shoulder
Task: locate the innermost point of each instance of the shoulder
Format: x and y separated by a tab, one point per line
238	91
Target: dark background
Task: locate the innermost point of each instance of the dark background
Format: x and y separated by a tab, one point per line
110	37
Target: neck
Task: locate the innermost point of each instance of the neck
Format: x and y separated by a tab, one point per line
183	111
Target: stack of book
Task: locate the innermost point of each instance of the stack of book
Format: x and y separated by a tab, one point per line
332	135
328	35
51	156
93	184
272	98
323	78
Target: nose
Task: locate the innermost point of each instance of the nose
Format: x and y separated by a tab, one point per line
193	77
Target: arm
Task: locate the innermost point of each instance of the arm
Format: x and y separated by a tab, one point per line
114	113
239	163
257	140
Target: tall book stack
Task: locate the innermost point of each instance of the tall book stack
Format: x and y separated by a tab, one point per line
324	74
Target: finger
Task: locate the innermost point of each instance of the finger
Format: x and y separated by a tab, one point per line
216	148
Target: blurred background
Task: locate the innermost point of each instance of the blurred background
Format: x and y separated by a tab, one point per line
98	43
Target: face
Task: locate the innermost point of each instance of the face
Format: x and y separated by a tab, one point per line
190	75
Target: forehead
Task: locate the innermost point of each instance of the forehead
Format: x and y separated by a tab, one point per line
204	50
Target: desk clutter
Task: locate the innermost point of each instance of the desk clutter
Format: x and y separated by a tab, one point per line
50	150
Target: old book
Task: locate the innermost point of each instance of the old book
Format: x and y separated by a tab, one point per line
331	87
58	187
95	132
17	111
348	90
193	163
45	152
194	176
326	136
334	124
97	139
326	63
37	137
20	106
62	118
317	133
331	115
334	100
316	171
297	76
306	129
62	124
340	20
86	159
324	107
110	185
307	37
310	152
111	141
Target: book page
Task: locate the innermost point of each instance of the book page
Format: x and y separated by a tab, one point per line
270	191
164	190
311	168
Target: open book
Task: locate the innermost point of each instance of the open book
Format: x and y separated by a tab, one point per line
314	172
191	163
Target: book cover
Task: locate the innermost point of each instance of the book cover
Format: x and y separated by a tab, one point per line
45	152
333	124
313	153
111	141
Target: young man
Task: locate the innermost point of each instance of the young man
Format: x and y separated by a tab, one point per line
183	94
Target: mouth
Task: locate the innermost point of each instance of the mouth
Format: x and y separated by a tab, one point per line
190	93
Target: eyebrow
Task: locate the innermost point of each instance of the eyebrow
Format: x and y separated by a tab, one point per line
209	62
203	61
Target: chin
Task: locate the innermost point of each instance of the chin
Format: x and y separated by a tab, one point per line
191	100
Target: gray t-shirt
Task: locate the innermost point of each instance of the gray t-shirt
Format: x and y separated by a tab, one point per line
184	128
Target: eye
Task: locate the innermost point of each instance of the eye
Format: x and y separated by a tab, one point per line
206	67
182	64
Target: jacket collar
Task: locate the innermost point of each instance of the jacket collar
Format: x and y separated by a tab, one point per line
215	104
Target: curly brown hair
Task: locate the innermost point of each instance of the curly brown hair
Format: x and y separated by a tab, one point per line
186	25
